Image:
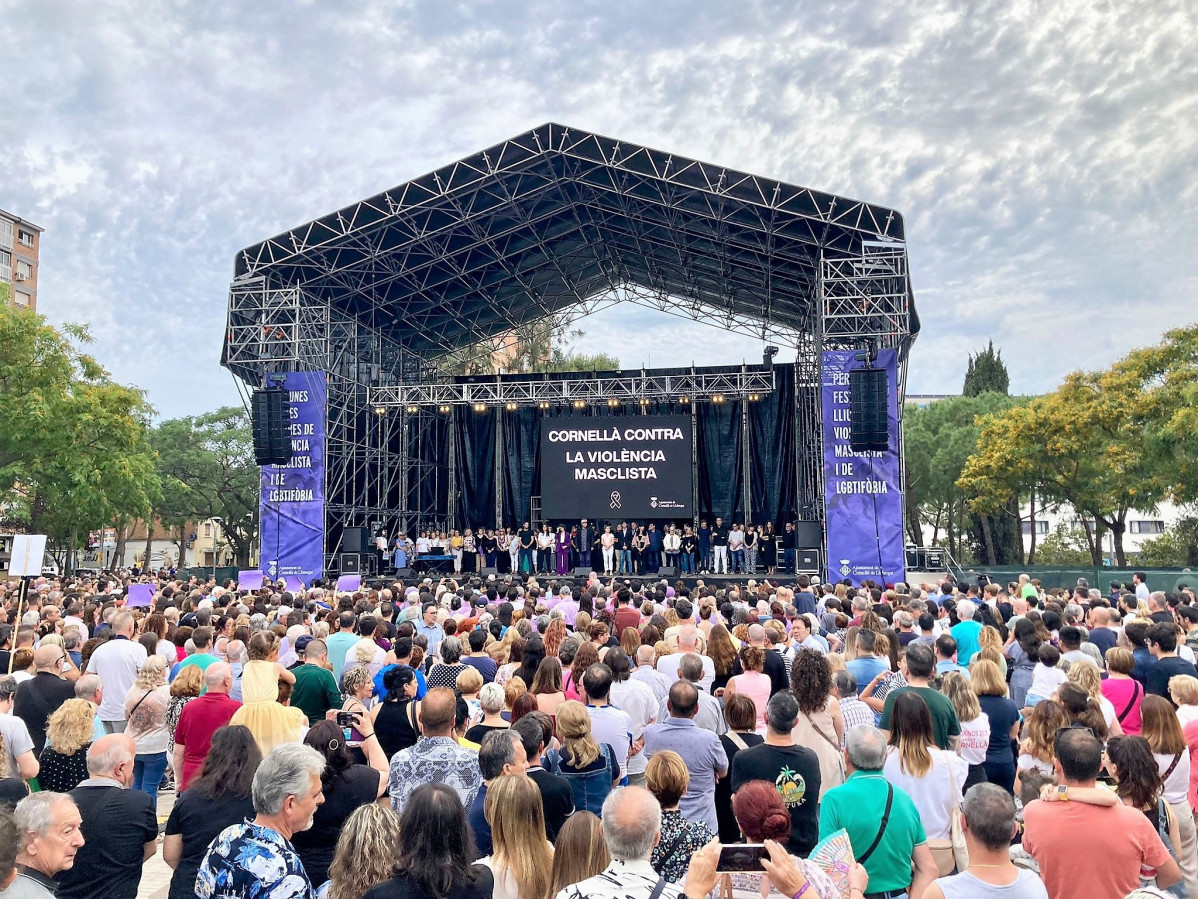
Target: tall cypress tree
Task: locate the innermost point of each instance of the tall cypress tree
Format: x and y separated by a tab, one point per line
986	373
996	537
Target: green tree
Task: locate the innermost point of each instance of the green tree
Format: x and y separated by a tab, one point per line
206	465
74	455
938	440
1065	546
986	373
1083	445
1176	548
533	347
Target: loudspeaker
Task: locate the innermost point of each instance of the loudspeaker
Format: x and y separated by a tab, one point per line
868	426
667	571
807	561
404	574
808	534
355	540
351	563
487	572
268	417
581	571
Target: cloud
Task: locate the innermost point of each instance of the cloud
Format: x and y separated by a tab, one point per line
1042	156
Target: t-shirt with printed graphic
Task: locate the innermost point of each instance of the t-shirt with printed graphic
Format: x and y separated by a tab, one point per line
794	770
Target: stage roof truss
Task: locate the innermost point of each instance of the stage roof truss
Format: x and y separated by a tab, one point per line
562	221
595	389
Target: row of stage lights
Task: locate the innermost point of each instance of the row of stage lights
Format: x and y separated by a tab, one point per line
717	399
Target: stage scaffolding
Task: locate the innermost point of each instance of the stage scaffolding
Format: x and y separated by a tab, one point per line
556	222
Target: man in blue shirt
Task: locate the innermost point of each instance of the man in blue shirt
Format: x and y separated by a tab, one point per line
700	749
866	666
429	628
966	631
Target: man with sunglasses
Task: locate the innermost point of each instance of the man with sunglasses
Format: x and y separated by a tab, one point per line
39	697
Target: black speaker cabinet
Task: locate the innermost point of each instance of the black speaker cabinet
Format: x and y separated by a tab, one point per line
268	418
488	572
582	571
351	563
356	540
667	571
808	534
807	561
868	425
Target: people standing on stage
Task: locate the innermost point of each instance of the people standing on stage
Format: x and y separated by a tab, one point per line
750	549
545	549
424	544
469	551
736	548
624	535
688	550
653	558
380	550
719	547
510	547
704	560
608	544
583	540
672	543
768	545
527	542
457	545
640	545
561	549
788	548
486	549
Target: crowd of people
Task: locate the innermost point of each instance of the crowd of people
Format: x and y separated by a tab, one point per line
599	738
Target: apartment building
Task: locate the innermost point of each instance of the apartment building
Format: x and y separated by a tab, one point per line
20	242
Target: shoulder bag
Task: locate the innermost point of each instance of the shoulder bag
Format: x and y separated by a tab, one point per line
1135	694
836	753
864	856
952	852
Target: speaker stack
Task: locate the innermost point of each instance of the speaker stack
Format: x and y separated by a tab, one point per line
268	418
869	429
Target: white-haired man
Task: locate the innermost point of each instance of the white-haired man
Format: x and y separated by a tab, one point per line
256	858
50	838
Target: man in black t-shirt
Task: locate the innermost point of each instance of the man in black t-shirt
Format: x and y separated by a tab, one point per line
557	796
719	546
119	827
794	770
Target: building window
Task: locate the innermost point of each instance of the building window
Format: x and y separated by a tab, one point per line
5	265
5	235
25	237
207	528
1026	527
23	299
1147	527
24	270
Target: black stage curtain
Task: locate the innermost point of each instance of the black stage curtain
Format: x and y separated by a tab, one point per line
772	475
428	447
521	463
475	435
721	469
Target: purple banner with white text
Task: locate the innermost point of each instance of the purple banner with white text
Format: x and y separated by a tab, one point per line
862	491
293	494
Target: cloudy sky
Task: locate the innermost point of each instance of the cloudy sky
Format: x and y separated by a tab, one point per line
1043	153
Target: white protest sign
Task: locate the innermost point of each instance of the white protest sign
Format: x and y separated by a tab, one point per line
28	552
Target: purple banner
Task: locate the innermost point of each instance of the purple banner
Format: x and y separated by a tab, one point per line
863	502
140	595
293	494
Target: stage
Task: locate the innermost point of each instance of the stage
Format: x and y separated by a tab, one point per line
390	323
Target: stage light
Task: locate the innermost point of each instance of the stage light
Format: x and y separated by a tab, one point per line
380	410
685	400
718	398
511	407
580	404
613	403
542	405
480	407
411	410
753	397
644	402
443	409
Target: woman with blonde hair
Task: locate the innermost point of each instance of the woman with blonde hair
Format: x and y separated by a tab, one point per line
990	638
1088	678
145	711
270	722
667	778
579	853
975	726
1183	689
68	736
991	689
521	858
365	853
591	768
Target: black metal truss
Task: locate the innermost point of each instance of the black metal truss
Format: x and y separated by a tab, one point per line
556	222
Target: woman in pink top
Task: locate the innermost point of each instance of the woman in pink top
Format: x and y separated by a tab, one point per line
754	683
1123	693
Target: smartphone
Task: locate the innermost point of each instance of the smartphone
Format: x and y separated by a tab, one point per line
741	857
347	719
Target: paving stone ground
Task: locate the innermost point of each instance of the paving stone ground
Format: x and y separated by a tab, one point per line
156	875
